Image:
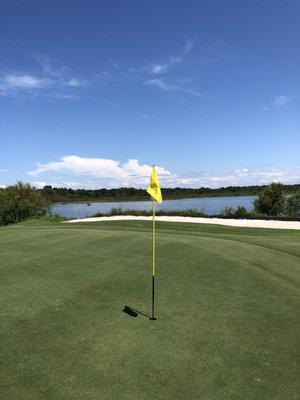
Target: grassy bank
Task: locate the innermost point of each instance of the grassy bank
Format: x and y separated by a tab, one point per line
227	306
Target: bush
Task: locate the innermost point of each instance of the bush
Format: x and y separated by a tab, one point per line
239	212
227	211
19	202
293	205
271	200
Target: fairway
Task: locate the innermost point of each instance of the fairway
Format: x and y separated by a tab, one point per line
227	309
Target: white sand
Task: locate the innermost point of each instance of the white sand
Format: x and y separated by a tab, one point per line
254	223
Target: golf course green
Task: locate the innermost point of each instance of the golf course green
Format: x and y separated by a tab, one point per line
227	312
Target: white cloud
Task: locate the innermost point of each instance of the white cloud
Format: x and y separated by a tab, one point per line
109	173
118	174
169	75
76	83
242	170
189	45
38	184
165	86
281	101
97	167
13	84
177	83
278	102
162	84
52	81
239	177
24	81
64	184
158	68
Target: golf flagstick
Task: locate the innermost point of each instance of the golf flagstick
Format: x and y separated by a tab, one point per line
153	260
155	193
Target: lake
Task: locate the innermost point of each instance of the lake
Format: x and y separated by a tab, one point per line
207	205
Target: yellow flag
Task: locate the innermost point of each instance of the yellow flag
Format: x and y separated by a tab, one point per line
154	187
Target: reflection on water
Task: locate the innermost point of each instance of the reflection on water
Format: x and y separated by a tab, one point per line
208	205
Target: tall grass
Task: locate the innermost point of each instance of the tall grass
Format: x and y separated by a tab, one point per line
228	212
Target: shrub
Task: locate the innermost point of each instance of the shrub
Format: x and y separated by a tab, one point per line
19	202
239	212
227	211
271	200
293	205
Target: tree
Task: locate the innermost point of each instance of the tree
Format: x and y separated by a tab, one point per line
271	200
19	202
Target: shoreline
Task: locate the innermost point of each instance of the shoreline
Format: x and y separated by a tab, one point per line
242	223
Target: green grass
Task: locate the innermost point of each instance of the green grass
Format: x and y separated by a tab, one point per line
227	308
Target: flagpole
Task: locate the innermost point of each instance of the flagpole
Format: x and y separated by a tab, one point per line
153	260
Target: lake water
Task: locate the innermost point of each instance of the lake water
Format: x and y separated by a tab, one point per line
207	205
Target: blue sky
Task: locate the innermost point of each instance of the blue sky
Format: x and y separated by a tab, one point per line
93	93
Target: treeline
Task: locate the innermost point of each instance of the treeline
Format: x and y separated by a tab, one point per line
64	195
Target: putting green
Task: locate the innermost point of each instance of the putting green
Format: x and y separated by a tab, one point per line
227	308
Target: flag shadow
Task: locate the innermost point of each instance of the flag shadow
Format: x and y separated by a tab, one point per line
133	313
